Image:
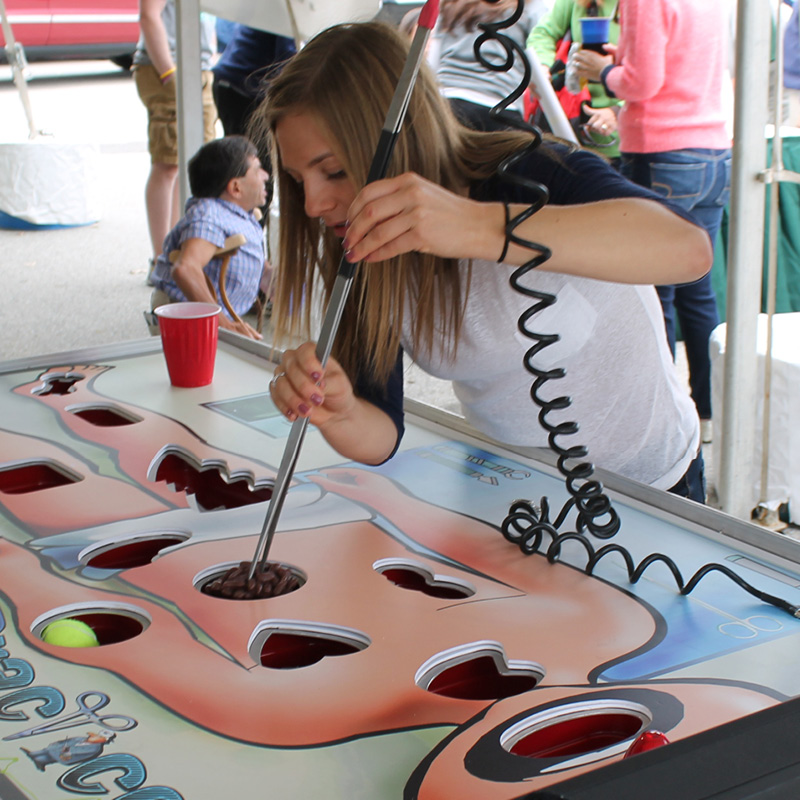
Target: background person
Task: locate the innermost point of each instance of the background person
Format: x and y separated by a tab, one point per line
227	183
472	89
791	67
242	72
600	114
155	75
669	69
434	280
241	76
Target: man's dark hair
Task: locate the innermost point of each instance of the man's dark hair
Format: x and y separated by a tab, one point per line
217	162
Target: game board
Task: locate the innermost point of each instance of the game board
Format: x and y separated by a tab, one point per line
424	656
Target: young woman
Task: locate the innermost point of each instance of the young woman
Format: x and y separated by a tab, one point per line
430	237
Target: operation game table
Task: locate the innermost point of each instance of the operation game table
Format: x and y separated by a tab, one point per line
423	656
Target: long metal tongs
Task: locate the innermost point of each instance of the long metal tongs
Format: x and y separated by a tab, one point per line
344	276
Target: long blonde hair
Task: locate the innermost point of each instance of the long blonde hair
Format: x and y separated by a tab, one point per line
345	78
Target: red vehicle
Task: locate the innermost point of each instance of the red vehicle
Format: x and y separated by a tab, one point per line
74	29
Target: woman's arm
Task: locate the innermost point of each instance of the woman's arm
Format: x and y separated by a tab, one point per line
626	239
190	278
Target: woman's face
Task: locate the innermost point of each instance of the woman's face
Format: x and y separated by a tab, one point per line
309	160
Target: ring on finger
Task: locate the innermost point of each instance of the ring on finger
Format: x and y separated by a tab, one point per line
276	378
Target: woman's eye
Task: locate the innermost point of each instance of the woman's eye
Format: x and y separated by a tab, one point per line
333	176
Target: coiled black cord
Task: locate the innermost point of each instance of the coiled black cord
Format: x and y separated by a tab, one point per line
595	512
526	525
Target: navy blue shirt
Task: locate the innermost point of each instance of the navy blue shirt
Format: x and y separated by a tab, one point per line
571	178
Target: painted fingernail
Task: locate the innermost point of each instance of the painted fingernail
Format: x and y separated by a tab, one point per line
303	409
315	376
348	254
316	399
347	223
291	416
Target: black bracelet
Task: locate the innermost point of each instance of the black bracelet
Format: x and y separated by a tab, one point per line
505	230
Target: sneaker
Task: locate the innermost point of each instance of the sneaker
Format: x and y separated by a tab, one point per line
706	431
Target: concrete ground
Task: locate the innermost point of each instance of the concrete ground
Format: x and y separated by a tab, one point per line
84	286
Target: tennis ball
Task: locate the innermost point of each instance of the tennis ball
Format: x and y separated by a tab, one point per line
69	633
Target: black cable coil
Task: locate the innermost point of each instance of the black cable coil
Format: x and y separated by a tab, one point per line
595	512
526	525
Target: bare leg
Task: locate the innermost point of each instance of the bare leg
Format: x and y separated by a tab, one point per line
159	197
176	210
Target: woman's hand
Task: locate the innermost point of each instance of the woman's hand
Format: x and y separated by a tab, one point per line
354	427
410	214
601	120
302	388
590	65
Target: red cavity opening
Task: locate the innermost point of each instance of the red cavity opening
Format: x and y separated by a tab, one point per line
575	736
293	650
410	579
32	477
59	385
103	417
210	489
479	679
132	554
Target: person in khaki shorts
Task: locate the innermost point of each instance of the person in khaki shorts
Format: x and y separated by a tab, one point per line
155	73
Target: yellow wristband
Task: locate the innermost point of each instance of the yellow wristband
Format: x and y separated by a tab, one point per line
166	74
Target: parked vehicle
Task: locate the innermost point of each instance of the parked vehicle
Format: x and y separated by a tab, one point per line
74	29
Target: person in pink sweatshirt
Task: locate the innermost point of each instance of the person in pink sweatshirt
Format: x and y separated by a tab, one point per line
669	68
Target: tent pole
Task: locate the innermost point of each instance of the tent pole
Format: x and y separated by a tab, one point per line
746	240
189	90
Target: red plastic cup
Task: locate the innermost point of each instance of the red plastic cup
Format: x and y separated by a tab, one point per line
189	339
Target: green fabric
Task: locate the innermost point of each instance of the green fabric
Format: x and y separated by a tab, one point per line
787	294
565	16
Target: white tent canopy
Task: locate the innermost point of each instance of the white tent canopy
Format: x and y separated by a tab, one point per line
298	19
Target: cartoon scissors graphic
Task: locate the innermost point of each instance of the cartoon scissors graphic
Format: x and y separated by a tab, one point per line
89	703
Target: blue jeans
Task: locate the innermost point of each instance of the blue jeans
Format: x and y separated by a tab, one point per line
693	483
698	181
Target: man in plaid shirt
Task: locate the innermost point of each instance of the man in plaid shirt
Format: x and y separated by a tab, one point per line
228	183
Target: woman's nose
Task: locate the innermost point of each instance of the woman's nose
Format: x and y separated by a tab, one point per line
317	200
